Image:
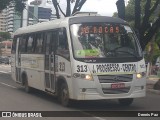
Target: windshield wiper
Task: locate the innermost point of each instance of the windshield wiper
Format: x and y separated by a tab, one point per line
114	52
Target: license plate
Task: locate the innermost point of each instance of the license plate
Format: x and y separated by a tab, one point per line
117	85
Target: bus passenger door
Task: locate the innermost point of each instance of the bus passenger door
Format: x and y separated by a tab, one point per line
49	63
18	62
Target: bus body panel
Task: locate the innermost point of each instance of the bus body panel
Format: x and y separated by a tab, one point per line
33	67
137	87
74	71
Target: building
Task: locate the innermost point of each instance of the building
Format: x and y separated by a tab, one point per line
30	16
5	48
3	21
43	15
10	18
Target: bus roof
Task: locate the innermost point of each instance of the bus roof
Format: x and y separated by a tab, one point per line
65	22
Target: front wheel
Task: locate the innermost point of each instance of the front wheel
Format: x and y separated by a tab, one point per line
126	101
64	95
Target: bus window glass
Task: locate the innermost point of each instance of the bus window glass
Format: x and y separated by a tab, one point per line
14	45
47	42
103	40
23	44
47	49
30	46
39	43
62	48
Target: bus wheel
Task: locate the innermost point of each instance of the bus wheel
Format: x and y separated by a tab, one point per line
126	102
26	87
64	95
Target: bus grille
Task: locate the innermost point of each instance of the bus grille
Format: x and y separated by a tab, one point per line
115	91
115	78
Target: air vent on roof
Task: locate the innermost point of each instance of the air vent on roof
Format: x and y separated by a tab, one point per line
86	14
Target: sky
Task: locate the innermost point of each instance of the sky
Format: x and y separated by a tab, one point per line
103	7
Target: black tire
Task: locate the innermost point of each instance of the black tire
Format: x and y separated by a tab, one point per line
26	86
126	102
64	95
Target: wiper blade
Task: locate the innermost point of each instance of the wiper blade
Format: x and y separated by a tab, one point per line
127	53
114	52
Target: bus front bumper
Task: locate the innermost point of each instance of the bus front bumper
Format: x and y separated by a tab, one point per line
94	95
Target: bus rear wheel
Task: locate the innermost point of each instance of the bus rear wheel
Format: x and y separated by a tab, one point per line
126	101
64	95
26	86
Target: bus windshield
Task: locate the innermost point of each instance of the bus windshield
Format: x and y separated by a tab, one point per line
103	40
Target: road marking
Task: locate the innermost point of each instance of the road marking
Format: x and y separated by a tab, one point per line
91	115
8	85
5	72
8	66
99	118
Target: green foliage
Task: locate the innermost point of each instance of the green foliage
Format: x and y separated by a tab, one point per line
130	9
4	3
151	57
149	13
5	36
19	4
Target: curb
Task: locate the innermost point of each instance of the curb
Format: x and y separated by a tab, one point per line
150	83
153	91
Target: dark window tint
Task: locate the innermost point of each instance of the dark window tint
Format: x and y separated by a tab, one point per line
47	42
14	45
48	39
23	47
39	43
62	48
30	44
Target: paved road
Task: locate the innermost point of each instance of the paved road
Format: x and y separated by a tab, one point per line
13	98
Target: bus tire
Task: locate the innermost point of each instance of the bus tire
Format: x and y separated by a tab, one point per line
26	86
64	95
126	101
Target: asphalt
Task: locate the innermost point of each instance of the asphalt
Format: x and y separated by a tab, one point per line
151	81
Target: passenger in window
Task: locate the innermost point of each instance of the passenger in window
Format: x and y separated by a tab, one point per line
39	44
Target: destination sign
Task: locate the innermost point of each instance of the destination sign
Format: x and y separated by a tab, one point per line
102	68
94	29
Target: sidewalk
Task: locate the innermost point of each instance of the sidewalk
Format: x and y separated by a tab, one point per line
151	81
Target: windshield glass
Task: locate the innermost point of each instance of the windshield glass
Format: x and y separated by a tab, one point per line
103	40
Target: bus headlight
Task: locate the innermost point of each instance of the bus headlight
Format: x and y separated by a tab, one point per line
83	76
88	77
140	75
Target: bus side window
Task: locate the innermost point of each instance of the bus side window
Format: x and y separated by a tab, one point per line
14	45
23	46
30	44
39	43
62	48
47	42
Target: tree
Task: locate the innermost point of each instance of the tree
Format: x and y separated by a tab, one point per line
137	15
77	7
147	23
149	27
5	36
19	4
121	9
